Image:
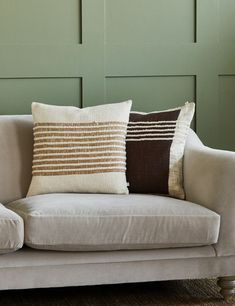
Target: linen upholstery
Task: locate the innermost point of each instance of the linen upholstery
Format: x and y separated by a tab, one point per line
80	222
59	269
155	149
11	231
79	150
16	149
209	177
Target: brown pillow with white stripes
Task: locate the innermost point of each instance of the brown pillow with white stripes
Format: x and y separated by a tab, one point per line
155	149
79	150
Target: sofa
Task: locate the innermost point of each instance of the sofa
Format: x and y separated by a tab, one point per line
122	238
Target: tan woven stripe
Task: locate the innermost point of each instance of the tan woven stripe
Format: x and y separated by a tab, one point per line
80	150
78	140
75	129
77	156
48	173
95	123
78	161
65	134
76	167
70	145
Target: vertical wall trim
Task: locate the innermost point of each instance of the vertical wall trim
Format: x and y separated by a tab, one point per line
195	101
80	15
93	42
195	21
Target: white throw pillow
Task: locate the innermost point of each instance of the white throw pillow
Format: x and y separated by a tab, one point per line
79	150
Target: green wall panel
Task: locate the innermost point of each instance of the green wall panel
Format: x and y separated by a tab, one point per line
18	94
227	20
39	21
151	93
150	21
159	53
227	111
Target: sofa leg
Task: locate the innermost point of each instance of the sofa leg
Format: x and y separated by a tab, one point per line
227	285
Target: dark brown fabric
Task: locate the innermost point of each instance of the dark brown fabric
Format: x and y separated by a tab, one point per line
149	140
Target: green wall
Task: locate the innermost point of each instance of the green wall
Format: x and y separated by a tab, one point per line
160	53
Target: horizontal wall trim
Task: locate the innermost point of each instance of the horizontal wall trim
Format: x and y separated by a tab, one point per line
227	75
40	77
150	76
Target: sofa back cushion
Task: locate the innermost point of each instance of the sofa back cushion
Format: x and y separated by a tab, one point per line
16	149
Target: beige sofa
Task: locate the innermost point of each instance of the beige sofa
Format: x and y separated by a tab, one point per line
115	238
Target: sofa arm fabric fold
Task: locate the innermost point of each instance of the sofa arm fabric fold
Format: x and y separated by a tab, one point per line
11	231
209	179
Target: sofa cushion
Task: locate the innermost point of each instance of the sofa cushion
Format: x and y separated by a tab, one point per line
81	222
11	231
79	150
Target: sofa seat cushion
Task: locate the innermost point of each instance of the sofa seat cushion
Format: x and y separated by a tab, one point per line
11	231
83	222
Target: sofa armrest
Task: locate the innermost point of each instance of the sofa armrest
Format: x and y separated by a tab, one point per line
209	179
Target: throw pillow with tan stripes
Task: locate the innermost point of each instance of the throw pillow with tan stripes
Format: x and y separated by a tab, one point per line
155	150
79	150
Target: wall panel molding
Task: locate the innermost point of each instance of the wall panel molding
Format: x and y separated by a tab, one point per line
19	93
227	110
40	22
148	21
149	92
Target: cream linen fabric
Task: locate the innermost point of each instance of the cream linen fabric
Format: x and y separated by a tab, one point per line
60	269
11	231
209	177
79	150
175	180
79	222
16	148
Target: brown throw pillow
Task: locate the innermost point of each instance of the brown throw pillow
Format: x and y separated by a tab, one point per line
155	149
